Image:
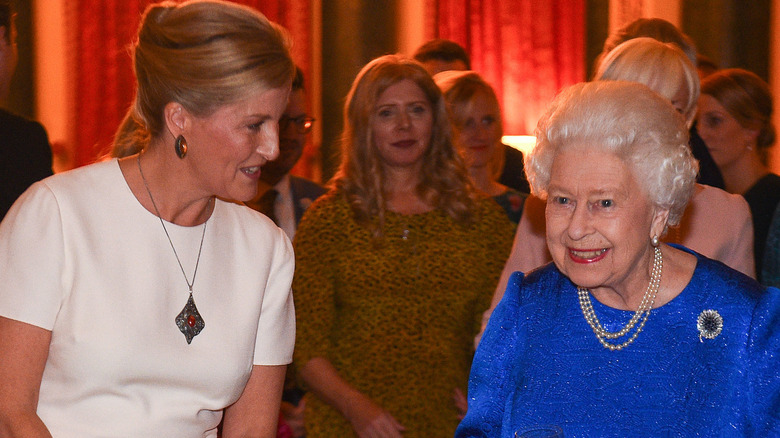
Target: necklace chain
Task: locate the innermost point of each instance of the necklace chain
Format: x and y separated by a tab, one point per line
643	312
159	216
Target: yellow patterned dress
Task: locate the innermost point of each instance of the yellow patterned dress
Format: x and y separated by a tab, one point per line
397	320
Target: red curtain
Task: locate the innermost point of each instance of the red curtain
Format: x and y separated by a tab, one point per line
101	77
527	49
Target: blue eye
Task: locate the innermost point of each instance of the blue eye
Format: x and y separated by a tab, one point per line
255	126
561	200
606	203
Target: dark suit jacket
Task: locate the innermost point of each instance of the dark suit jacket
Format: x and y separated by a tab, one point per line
513	174
25	157
304	192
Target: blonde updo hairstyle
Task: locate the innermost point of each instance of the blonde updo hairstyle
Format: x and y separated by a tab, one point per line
626	119
443	183
748	99
203	54
461	89
663	67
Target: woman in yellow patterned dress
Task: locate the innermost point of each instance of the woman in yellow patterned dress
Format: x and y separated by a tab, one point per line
393	266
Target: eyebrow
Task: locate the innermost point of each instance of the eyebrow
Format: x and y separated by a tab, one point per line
416	102
611	191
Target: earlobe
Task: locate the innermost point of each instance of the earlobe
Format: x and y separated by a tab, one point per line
752	135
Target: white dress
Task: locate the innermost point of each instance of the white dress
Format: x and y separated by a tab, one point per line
81	257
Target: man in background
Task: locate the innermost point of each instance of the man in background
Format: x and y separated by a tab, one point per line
441	55
281	196
25	153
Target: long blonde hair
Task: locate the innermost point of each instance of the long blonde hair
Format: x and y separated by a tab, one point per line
202	54
444	182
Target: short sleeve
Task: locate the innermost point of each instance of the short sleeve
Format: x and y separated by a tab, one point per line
276	328
32	259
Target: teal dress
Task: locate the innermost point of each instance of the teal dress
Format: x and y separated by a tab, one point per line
539	363
512	202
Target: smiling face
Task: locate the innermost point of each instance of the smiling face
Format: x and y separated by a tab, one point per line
228	147
479	131
600	221
401	125
726	140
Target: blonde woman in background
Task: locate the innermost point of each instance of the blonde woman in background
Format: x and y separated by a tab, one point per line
476	117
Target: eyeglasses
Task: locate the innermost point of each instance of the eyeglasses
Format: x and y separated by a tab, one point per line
302	124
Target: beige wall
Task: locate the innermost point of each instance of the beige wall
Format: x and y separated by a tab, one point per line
52	101
624	11
411	31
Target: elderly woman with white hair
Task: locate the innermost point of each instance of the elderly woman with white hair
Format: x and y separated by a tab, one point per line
623	334
715	223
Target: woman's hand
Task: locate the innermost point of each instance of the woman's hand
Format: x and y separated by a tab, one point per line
294	417
369	420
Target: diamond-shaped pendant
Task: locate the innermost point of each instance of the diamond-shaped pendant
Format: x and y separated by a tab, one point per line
189	320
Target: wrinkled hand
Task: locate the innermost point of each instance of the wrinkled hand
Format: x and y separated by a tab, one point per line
369	420
461	403
293	416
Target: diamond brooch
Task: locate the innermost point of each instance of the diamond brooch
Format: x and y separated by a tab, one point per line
709	324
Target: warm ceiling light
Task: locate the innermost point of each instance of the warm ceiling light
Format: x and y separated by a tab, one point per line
523	143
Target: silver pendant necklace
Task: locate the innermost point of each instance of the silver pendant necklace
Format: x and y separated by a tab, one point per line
189	321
